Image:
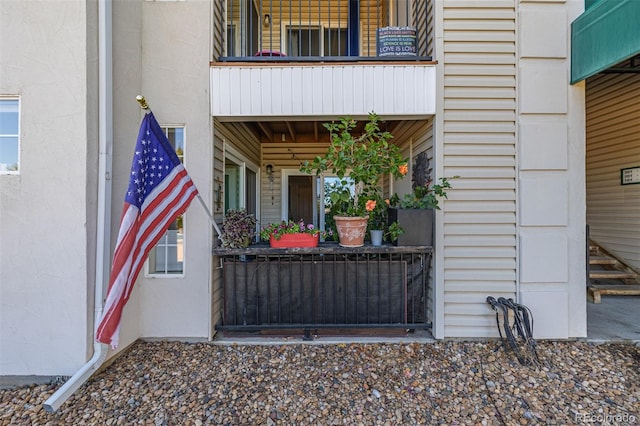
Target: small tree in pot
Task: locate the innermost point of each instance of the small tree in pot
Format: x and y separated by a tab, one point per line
359	160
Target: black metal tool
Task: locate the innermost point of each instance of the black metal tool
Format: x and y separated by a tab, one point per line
517	325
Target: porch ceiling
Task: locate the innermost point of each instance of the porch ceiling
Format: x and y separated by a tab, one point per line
302	131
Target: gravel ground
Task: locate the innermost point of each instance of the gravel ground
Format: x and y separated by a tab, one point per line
171	383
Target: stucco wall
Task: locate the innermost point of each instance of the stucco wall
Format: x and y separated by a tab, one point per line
43	210
175	78
155	57
551	191
127	81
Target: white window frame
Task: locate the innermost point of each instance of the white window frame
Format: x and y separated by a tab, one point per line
319	218
322	26
14	98
163	242
234	28
243	163
314	25
235	157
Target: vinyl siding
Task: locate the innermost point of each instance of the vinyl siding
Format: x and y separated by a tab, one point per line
421	9
613	143
241	139
218	29
479	127
246	143
283	156
414	137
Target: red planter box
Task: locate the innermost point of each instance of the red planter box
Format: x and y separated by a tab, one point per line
295	240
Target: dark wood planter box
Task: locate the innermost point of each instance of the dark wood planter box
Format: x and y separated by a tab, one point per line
417	225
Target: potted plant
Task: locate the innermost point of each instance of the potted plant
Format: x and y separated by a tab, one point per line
358	160
292	234
377	220
380	229
414	212
238	229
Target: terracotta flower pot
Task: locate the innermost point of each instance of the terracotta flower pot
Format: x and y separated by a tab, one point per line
351	230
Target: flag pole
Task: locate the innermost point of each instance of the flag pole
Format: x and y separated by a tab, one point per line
144	105
143	102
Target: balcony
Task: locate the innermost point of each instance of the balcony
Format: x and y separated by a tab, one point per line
326	287
322	30
316	59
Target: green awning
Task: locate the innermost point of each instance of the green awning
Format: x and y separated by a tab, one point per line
607	33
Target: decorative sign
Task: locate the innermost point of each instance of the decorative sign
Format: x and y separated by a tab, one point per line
630	175
396	41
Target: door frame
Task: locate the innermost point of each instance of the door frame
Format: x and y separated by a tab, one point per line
284	188
319	218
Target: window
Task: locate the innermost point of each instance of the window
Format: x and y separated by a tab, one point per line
306	41
299	201
9	136
167	257
326	186
240	183
233	47
243	28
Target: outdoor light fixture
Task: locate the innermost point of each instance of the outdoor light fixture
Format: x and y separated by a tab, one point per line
270	172
267	20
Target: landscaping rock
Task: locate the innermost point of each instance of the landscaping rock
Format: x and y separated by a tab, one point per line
450	382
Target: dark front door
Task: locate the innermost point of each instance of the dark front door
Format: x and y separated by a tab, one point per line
300	198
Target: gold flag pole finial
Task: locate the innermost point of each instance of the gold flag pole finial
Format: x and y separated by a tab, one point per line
142	101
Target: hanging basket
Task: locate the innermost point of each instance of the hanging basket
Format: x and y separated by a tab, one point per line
351	230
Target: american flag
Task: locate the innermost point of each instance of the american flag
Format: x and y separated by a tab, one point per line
159	191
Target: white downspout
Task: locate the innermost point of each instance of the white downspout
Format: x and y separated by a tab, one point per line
103	225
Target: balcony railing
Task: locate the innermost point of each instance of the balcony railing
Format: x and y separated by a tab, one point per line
325	287
323	30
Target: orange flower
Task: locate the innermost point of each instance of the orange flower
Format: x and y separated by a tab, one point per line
403	169
387	201
371	204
